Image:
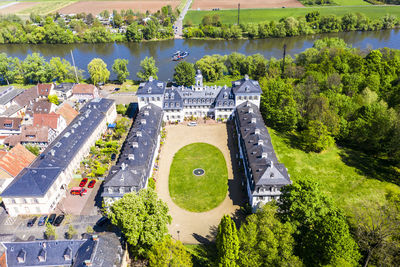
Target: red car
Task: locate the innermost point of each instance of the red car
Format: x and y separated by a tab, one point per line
83	182
78	191
91	184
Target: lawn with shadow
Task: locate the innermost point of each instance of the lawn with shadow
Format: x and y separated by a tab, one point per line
350	178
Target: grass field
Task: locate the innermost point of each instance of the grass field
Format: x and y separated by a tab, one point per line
351	3
259	15
45	7
198	193
349	178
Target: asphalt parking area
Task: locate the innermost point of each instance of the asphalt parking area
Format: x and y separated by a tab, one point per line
80	205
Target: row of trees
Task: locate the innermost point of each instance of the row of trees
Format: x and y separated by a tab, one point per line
85	28
311	23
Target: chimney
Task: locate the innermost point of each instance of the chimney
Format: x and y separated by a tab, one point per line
246	77
95	237
150	78
253	120
123	166
87	263
260	142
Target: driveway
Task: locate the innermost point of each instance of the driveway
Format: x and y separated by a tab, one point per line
192	227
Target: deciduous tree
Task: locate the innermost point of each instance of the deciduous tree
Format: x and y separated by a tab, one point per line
169	253
184	73
148	68
142	218
120	68
227	243
98	71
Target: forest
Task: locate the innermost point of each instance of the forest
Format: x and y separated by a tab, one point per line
311	23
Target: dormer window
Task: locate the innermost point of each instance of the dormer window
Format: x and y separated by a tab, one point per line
149	90
247	89
21	256
166	96
172	95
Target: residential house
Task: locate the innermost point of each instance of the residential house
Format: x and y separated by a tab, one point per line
101	251
67	112
8	127
138	155
198	100
52	120
265	176
7	96
64	90
38	107
45	89
39	188
26	98
40	136
12	163
83	92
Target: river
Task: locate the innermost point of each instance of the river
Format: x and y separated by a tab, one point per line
161	51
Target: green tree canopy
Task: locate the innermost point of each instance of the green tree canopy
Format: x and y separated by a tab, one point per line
316	137
266	241
120	68
227	242
322	234
184	73
169	253
142	218
98	71
148	68
278	106
212	67
35	68
53	99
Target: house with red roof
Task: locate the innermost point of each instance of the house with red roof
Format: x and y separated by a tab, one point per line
12	163
67	112
8	127
84	92
52	120
45	89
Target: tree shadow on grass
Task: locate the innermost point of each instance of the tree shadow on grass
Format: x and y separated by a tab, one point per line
371	167
293	140
204	254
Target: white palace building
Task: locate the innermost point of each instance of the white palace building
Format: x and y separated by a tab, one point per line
265	176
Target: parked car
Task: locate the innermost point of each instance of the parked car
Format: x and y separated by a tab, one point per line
78	191
42	220
31	222
83	182
51	218
113	156
59	220
192	123
102	221
91	184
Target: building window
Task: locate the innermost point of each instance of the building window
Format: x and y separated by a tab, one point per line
255	97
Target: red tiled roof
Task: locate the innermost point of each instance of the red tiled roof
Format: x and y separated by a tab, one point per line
44	89
29	133
50	120
68	112
42	107
86	89
6	122
16	159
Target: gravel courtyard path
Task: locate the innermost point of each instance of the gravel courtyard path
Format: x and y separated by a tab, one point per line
195	227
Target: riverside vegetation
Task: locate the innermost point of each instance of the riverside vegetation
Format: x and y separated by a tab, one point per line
311	23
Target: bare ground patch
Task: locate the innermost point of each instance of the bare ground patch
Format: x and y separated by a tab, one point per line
95	7
17	7
228	4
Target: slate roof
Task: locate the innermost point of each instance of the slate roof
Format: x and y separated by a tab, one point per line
27	97
64	87
258	149
68	112
137	154
53	251
246	86
172	99
6	122
50	120
11	111
44	89
151	87
9	94
15	160
37	179
225	99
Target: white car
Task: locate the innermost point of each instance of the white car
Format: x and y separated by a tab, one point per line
192	123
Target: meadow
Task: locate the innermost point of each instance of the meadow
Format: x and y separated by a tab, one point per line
269	14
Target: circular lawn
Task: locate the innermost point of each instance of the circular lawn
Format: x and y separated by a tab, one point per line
193	192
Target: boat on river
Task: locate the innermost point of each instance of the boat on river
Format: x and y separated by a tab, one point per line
178	55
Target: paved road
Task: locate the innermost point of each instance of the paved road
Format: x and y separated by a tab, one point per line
178	25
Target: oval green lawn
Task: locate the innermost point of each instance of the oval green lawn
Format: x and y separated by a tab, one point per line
198	193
